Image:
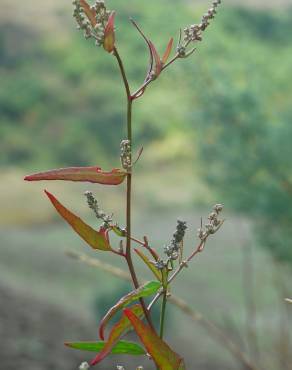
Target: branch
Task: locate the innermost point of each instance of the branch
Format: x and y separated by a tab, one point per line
195	316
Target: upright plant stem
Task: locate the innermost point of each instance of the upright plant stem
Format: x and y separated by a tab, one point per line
129	187
162	314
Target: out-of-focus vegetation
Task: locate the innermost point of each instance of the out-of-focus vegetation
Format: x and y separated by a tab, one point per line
245	125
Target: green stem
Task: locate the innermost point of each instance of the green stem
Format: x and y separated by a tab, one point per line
162	314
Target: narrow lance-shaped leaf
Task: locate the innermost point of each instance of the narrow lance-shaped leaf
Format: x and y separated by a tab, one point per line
149	264
158	62
145	290
121	347
163	356
109	34
81	174
119	329
90	13
96	239
167	51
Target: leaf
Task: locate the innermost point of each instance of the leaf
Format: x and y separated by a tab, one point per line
118	231
121	347
109	34
84	174
119	329
163	356
96	239
146	260
158	62
145	290
90	13
167	51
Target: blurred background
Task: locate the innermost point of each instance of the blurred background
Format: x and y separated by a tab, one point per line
216	128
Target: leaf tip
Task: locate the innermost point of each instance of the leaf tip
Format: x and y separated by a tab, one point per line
109	33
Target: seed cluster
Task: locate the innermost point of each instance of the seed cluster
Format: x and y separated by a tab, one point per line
213	225
194	32
172	250
126	154
100	215
84	366
93	25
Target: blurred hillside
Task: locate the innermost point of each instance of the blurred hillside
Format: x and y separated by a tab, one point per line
58	105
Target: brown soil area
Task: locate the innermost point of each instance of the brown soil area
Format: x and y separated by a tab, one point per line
32	334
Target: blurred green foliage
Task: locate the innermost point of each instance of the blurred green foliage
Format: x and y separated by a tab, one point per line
62	103
244	125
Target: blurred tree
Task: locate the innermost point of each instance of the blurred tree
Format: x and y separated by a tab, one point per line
245	131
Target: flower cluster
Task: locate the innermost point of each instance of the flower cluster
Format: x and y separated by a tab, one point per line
126	154
213	225
194	32
92	19
172	250
84	366
92	203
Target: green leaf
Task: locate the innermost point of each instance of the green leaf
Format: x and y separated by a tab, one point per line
150	265
119	329
163	356
122	347
145	290
96	239
81	174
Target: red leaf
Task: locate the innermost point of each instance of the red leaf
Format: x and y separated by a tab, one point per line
162	354
90	13
84	174
158	62
120	329
109	34
96	239
167	51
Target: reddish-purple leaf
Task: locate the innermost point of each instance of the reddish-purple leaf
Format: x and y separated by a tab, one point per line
96	239
163	356
109	34
145	290
90	13
158	62
120	329
81	174
167	51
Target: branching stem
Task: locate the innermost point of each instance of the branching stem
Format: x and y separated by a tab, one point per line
128	254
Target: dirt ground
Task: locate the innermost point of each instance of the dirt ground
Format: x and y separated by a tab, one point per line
32	334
